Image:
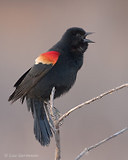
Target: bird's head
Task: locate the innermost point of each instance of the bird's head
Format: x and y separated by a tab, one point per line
76	39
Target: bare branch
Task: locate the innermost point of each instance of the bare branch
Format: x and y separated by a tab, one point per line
92	100
52	99
55	122
86	150
57	139
55	126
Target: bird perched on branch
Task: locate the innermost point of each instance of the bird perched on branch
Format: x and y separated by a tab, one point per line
57	68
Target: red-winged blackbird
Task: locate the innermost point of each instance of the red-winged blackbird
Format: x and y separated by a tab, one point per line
57	68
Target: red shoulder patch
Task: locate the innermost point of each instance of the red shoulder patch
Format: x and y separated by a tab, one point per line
50	57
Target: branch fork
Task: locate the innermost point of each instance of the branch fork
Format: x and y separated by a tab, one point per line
55	121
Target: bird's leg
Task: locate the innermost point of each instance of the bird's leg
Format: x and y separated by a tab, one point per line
49	116
58	115
56	111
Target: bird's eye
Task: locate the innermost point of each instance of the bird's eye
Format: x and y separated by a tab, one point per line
78	35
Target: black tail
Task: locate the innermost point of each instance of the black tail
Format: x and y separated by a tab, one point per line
42	128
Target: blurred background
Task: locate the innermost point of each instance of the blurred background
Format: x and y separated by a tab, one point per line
28	28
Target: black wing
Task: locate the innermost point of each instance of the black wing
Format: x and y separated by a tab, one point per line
21	78
28	80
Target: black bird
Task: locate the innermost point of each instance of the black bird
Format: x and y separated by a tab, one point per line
57	68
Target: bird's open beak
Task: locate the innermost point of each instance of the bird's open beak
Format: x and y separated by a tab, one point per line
88	40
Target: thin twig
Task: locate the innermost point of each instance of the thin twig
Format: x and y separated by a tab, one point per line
55	126
52	103
57	139
91	100
57	121
86	150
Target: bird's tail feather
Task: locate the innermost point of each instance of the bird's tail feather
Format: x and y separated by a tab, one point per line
42	128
